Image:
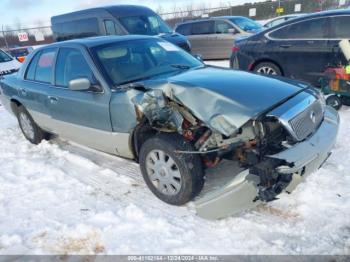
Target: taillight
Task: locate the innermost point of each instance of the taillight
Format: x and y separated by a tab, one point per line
21	59
235	49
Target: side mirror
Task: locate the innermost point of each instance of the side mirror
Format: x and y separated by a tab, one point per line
79	84
198	57
232	31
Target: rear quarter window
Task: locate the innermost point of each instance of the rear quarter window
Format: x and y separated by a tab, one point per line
184	29
30	74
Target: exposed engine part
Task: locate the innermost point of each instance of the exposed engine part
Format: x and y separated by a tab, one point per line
249	144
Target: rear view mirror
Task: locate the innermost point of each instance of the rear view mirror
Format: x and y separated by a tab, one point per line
232	31
198	57
79	84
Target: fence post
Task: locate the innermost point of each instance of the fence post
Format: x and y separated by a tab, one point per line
3	33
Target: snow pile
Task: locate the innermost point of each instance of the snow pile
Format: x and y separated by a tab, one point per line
57	198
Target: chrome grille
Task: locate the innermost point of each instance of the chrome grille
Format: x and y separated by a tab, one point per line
305	123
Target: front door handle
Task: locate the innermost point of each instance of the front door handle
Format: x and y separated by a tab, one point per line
53	99
23	91
285	46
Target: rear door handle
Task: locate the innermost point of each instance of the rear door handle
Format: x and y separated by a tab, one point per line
53	99
285	46
23	91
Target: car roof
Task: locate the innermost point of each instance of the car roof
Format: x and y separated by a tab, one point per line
98	40
308	16
20	47
319	14
207	19
114	10
229	17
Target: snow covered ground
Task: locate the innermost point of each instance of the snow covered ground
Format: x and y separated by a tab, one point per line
58	198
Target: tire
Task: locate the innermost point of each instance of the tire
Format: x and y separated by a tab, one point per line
267	68
334	101
346	100
173	177
31	131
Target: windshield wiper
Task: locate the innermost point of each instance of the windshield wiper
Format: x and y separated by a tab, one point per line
184	67
132	81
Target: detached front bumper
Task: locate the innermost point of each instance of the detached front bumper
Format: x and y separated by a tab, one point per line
304	158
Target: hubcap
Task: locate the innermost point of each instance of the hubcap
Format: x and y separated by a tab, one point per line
163	172
26	125
266	70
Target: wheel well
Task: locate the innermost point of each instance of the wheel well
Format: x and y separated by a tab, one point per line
142	132
14	105
266	61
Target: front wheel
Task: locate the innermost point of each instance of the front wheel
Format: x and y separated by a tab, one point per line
174	178
30	129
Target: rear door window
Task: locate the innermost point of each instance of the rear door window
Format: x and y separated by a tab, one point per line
203	28
71	65
340	27
43	72
310	29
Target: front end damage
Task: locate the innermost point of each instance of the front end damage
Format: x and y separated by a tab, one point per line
275	150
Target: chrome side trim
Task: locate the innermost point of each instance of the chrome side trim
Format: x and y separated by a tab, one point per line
105	141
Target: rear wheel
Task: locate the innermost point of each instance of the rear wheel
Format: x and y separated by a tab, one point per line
267	68
174	178
30	129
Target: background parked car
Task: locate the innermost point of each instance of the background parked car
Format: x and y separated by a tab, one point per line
114	20
213	37
20	53
279	20
8	64
300	48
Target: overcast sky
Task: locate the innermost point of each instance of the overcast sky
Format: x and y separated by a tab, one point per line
30	12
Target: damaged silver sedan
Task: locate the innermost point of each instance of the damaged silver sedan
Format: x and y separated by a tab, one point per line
148	100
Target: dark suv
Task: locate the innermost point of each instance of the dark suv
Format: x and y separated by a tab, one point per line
300	48
114	20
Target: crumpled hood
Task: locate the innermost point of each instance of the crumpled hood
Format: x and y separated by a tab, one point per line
225	99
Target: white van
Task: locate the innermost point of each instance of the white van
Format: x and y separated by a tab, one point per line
8	64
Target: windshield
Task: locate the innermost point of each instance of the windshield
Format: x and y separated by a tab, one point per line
129	61
145	25
4	57
246	24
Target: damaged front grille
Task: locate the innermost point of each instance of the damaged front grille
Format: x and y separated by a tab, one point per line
305	123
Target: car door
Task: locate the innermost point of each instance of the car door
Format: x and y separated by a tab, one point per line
339	31
38	80
80	116
225	34
201	38
302	48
